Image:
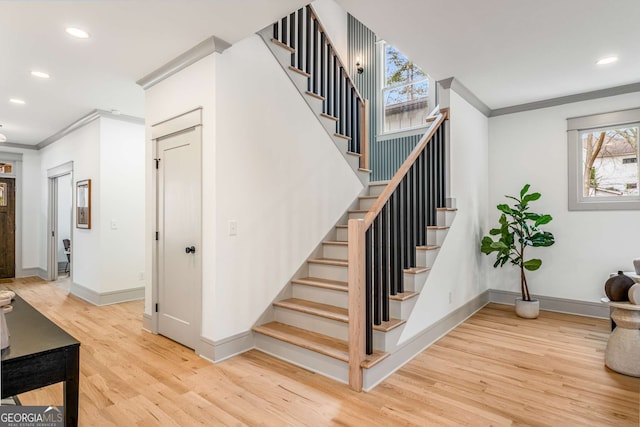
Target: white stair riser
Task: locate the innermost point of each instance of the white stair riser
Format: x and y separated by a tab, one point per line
301	82
415	282
376	190
387	341
436	236
331	272
402	309
308	359
335	251
383	341
445	218
366	204
330	126
357	215
426	258
314	103
321	295
342	234
354	161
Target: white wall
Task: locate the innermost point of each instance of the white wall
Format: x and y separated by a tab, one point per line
460	267
122	204
531	147
65	208
279	176
83	148
190	88
335	20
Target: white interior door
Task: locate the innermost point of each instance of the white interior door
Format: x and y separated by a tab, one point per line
179	240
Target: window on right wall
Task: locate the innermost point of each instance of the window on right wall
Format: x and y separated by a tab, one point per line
604	172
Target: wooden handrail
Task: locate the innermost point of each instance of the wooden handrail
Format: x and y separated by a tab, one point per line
357	229
337	55
402	171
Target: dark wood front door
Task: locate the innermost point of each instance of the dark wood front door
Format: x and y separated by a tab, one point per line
7	228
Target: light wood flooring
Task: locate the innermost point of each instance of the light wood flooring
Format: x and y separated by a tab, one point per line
494	369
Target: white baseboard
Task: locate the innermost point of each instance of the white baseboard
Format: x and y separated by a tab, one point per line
417	344
32	271
106	298
561	305
223	349
147	322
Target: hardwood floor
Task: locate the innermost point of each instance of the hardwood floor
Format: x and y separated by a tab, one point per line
494	369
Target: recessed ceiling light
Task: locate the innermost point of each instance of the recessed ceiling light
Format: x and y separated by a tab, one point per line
607	60
77	32
40	74
17	101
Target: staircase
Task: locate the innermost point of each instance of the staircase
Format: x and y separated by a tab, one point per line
345	311
305	53
310	329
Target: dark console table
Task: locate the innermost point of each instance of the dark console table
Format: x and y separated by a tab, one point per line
40	354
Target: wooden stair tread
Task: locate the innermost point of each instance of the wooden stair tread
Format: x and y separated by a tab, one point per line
403	296
342	226
378	183
315	308
427	248
368	197
389	325
365	170
323	344
334	242
416	270
318	282
339	135
351	153
282	45
299	71
437	227
315	95
329	261
327	116
447	209
331	312
359	211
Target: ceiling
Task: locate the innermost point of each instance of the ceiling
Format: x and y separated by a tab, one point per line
506	52
510	52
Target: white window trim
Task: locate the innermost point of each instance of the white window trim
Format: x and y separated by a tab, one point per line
576	126
381	88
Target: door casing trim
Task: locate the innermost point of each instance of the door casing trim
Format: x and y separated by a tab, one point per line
161	130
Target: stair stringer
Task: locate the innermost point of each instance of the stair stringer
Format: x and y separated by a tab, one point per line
283	55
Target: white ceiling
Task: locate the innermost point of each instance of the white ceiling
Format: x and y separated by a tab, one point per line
506	52
510	52
129	39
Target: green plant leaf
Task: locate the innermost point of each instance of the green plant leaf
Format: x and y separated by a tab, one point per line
544	219
531	197
532	264
505	208
495	231
524	190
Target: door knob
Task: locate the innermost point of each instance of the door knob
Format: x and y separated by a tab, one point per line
190	250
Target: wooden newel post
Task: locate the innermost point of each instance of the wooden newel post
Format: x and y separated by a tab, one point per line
356	238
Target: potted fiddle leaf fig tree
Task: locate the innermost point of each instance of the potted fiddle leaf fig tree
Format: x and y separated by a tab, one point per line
518	229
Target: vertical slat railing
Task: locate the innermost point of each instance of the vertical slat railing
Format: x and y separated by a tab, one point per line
383	244
314	54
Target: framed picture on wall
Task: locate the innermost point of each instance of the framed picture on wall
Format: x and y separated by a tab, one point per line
83	204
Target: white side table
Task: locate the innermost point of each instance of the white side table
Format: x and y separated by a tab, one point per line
623	348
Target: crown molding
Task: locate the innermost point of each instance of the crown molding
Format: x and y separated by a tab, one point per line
196	53
83	121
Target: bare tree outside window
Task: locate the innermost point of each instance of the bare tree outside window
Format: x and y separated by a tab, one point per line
610	162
